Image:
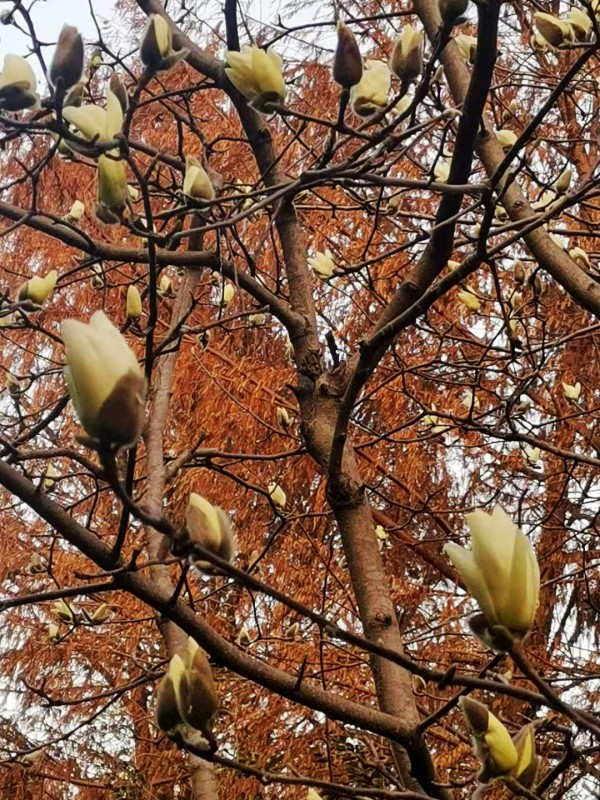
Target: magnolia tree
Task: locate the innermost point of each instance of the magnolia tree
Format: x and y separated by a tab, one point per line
300	439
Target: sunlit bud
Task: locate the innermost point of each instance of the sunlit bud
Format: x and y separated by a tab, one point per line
579	22
12	384
209	527
67	63
100	615
563	181
278	496
580	257
347	63
507	138
313	795
105	381
381	533
538	43
38	290
111	184
532	454
89	120
500	571
165	289
134	302
228	294
243	638
50	476
293	630
322	264
406	61
441	171
469	300
197	694
450	10
256	320
500	213
470	400
371	93
467	46
53	632
196	183
527	765
62	611
572	392
167	713
520	273
17	84
95	59
77	211
491	740
554	30
256	73
156	49
452	265
283	417
134	192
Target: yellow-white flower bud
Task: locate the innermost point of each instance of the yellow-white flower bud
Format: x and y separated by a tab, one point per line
572	392
491	740
66	67
381	533
209	527
165	288
196	183
371	93
441	171
580	257
469	300
580	23
322	264
196	692
278	496
347	62
532	454
77	211
563	182
156	49
50	476
554	30
105	381
111	187
167	713
500	572
256	320
283	417
18	86
134	302
406	61
100	615
53	632
256	73
450	10
526	768
506	138
63	612
313	795
227	295
467	46
37	289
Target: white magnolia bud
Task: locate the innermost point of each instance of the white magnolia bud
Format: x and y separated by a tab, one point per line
37	289
209	527
18	86
406	61
134	302
196	183
278	496
371	93
256	74
322	264
156	49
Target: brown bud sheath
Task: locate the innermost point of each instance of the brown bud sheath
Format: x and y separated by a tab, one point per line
67	65
347	62
167	713
198	694
122	416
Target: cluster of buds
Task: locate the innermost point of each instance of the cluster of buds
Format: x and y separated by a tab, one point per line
500	755
502	574
256	73
186	695
209	527
105	382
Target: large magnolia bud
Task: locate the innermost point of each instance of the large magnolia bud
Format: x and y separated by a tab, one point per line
491	740
156	49
406	61
37	289
347	62
198	701
555	31
196	183
256	73
134	302
371	93
111	187
209	527
528	764
17	84
167	713
104	380
67	64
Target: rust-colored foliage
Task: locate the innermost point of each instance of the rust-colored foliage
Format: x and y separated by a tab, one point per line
378	396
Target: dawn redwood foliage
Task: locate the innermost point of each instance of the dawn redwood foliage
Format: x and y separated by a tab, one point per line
300	401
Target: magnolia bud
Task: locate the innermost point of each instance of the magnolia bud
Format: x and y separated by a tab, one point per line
100	615
196	183
167	713
37	289
165	287
507	138
18	84
243	638
450	10
256	73
554	30
406	61
134	302
112	193
278	496
50	476
156	50
313	795
209	527
228	294
563	181
491	740
283	417
347	62
76	212
528	762
53	632
67	64
572	392
197	696
63	612
381	533
469	300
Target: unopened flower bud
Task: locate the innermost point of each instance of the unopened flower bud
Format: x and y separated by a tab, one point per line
66	68
347	62
134	302
256	73
278	496
209	527
406	61
491	740
156	49
555	31
63	612
37	289
18	85
196	183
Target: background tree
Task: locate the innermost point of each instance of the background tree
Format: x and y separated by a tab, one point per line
392	318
